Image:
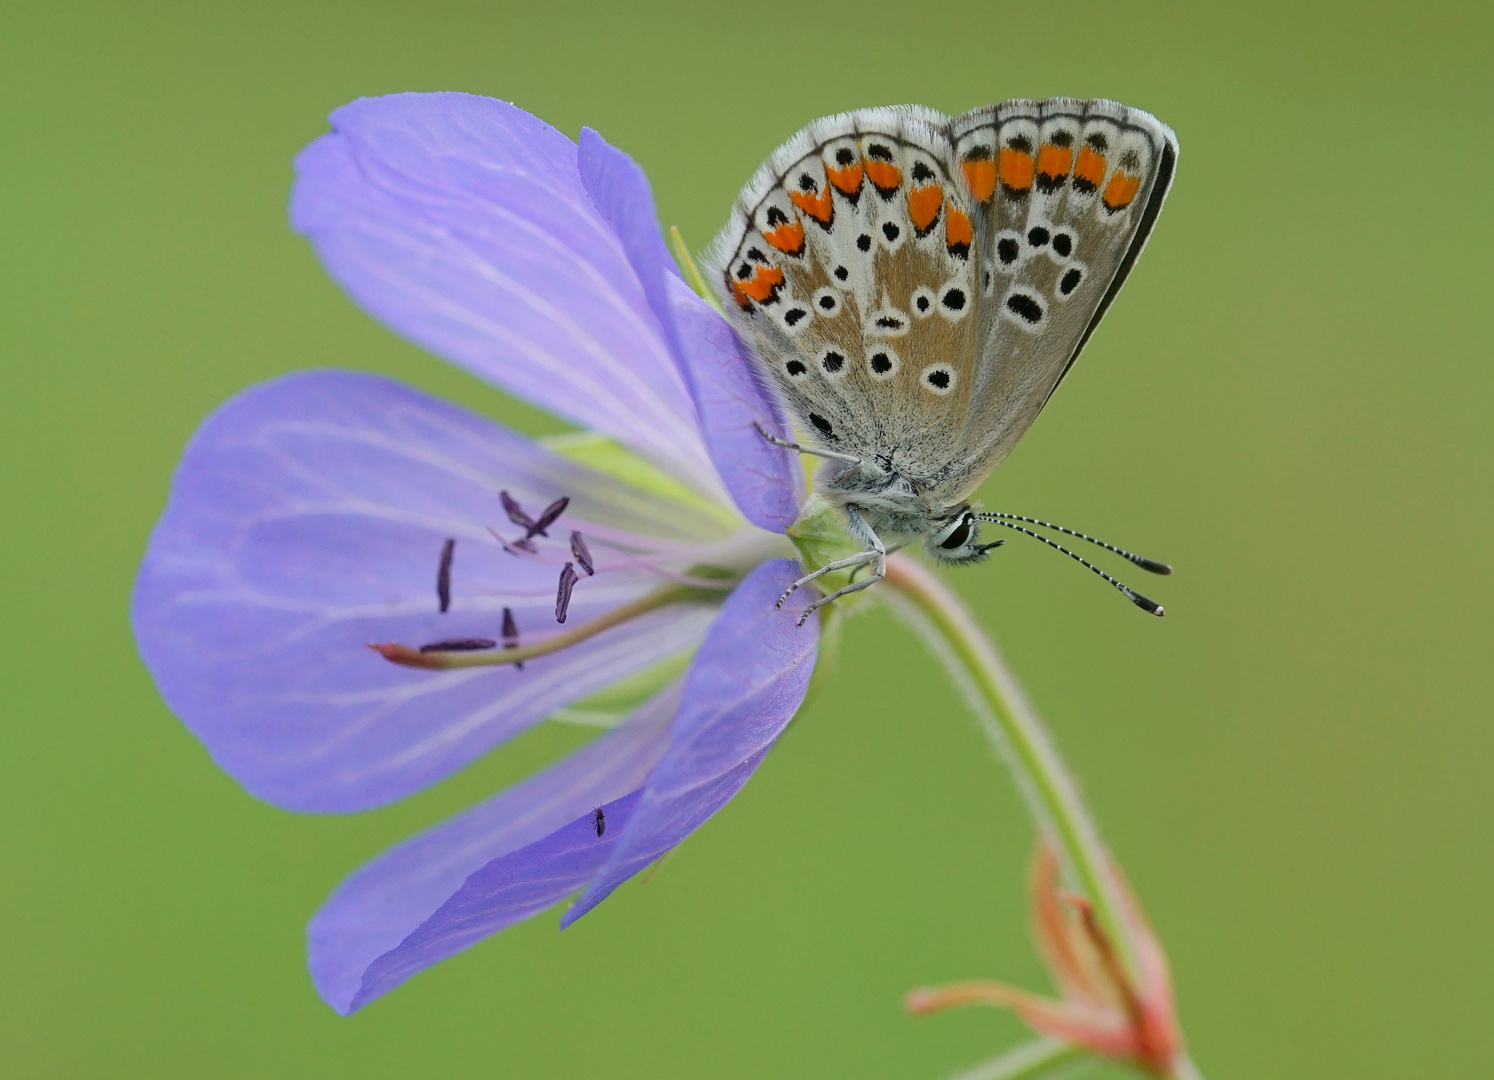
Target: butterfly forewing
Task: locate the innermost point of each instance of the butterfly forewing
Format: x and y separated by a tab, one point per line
916	286
1065	193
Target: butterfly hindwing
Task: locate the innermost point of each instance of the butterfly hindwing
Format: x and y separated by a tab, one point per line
848	268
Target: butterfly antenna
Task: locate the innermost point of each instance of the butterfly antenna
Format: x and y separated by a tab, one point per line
1130	594
1140	560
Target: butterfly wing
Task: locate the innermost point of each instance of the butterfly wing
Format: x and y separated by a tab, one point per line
849	266
869	265
1064	196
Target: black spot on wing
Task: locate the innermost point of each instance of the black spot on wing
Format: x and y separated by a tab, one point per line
1025	308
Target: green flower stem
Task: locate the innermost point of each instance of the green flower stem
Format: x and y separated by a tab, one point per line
1030	1061
1015	729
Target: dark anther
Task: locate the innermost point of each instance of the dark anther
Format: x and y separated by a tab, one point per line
443	575
563	594
463	644
582	554
516	512
547	517
599	819
511	634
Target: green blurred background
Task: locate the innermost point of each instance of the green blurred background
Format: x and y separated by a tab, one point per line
1289	402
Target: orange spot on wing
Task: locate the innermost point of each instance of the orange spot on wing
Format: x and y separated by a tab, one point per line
957	232
923	206
886	176
1121	190
1089	169
1015	169
980	175
848	179
816	204
788	237
1054	161
762	286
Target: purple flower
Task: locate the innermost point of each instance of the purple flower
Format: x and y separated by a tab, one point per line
319	513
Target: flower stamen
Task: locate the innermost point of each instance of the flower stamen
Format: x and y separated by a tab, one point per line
515	511
464	644
582	553
511	634
563	592
440	656
443	575
548	517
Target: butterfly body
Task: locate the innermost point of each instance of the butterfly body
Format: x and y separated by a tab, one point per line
916	286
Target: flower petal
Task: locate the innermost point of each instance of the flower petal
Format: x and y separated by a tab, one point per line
730	396
409	908
743	688
621	193
307	519
461	223
765	481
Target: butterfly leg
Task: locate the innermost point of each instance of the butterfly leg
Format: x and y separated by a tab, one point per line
875	555
816	451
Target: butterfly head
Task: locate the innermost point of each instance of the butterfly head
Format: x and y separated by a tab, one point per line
957	539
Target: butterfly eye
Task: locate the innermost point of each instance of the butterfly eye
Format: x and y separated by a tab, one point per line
960	535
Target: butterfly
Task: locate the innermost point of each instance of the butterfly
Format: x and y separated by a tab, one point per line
916	286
